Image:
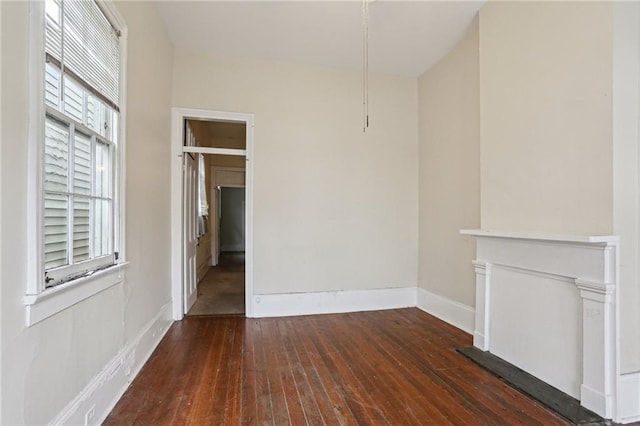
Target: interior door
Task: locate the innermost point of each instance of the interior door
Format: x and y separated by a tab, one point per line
190	231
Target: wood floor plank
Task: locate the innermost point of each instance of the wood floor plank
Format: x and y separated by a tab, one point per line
328	393
328	341
232	401
299	374
279	389
428	364
211	389
410	382
264	405
491	393
249	406
375	373
395	367
444	399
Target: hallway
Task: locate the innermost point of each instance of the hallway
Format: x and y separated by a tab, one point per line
221	291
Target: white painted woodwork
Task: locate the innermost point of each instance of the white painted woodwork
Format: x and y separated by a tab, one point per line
46	304
547	304
628	398
179	115
105	389
450	311
331	302
218	151
189	137
190	231
215	225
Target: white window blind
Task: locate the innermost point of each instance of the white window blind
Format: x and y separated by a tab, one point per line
84	43
81	97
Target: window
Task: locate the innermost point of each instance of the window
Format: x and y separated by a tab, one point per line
81	128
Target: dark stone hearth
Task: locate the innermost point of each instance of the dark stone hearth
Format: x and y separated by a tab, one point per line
553	398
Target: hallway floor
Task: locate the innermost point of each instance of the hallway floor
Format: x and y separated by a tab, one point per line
221	291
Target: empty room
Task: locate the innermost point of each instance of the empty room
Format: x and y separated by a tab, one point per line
320	212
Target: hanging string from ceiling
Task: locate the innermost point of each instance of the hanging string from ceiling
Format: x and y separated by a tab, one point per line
365	65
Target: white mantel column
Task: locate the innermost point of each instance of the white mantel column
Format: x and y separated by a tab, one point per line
598	327
483	287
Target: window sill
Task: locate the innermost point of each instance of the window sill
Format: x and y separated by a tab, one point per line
56	299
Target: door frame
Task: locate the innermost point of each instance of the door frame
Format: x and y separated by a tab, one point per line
214	204
178	117
189	234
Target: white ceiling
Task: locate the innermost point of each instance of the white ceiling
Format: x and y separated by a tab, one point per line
405	37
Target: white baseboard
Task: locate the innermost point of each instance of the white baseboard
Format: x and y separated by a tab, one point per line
629	398
455	313
332	302
103	392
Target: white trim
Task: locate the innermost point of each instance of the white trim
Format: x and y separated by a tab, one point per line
177	120
43	303
113	14
481	332
178	117
35	149
449	311
218	151
56	299
331	302
542	237
107	387
626	192
591	264
210	115
629	398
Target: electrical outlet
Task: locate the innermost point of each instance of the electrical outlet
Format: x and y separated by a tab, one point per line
90	415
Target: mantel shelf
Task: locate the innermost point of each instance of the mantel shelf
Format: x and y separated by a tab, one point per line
593	239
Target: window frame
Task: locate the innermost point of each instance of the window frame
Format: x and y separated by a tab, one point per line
40	301
58	275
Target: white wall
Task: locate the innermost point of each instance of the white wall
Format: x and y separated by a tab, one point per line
559	129
546	126
450	171
334	208
148	143
46	366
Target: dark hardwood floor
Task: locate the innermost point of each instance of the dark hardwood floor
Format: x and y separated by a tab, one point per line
394	367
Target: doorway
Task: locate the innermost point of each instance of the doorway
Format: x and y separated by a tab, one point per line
221	250
223	223
221	290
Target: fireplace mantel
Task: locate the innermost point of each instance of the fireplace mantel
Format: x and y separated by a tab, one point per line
547	304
